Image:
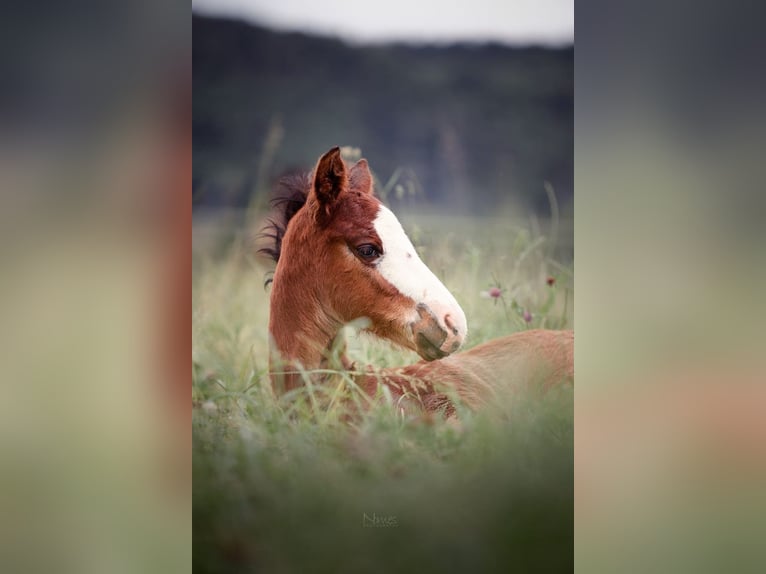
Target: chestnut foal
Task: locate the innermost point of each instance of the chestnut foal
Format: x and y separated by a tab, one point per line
342	255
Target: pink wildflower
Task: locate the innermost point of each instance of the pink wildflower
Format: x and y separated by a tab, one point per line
527	316
492	293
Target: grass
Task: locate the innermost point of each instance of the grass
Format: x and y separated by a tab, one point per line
290	485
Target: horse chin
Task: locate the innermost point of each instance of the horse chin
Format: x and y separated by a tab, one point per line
427	349
410	341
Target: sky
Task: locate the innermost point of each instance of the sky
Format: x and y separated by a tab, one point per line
548	22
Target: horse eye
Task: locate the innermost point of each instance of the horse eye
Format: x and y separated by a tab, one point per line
368	252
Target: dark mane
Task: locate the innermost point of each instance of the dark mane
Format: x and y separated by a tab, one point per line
289	197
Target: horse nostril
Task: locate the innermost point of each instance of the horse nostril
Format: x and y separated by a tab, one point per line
450	325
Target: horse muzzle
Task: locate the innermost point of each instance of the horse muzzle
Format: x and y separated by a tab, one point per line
438	331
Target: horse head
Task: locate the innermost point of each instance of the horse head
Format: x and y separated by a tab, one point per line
344	256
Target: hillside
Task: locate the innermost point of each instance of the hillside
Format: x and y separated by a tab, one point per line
477	124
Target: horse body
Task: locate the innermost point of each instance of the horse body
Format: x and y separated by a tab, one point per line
535	359
342	255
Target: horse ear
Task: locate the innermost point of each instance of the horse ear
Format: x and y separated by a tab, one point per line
330	178
360	177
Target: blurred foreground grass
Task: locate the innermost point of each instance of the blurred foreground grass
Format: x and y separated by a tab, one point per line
279	487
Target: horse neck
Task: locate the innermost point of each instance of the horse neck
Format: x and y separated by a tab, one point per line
301	332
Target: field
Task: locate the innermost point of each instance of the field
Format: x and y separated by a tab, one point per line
283	485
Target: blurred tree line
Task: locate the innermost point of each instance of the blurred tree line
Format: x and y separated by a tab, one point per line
476	124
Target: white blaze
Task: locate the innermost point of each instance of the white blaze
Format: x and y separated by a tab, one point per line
401	266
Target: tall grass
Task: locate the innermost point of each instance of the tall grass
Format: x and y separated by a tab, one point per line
283	484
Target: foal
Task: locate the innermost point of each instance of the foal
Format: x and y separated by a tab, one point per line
342	255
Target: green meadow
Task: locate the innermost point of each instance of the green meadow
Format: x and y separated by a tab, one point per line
290	484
